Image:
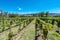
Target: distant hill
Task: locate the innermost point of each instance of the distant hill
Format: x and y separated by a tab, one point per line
51	14
54	14
31	14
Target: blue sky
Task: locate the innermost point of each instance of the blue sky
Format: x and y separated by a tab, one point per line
30	6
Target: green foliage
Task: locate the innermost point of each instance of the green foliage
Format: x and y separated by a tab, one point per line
10	35
45	33
58	24
53	21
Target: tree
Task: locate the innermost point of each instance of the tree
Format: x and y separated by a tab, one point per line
1	12
47	14
5	14
41	14
13	15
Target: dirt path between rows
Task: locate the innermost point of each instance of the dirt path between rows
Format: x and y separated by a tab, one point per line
30	26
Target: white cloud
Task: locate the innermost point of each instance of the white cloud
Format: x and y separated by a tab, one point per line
19	8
